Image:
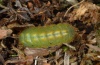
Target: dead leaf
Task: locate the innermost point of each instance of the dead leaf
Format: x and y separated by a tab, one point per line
93	47
87	12
38	52
5	33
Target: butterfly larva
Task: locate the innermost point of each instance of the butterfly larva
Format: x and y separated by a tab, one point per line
47	36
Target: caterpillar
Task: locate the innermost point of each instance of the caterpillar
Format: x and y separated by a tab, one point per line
47	36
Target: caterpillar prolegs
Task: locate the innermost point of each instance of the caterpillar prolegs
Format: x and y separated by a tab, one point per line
47	36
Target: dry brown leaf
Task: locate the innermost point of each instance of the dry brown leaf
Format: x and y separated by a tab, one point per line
84	7
5	33
37	52
80	11
93	47
12	25
87	12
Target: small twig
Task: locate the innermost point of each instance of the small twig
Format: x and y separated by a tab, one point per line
3	44
66	58
4	10
36	61
73	6
3	6
72	47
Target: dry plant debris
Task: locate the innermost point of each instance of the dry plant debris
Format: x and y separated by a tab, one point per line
17	15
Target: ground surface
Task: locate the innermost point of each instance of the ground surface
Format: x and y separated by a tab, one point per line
17	15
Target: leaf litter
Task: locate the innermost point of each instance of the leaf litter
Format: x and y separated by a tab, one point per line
17	15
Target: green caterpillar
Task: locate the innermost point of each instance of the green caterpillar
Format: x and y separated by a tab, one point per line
47	36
